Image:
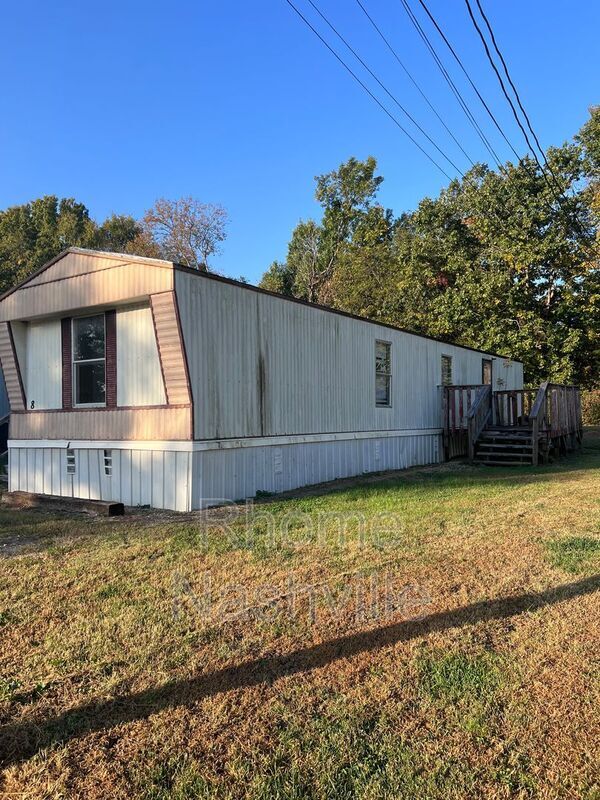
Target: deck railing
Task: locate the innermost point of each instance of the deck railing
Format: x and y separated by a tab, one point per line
564	410
457	402
552	413
538	418
512	408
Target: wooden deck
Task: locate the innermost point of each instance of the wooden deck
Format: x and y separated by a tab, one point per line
521	426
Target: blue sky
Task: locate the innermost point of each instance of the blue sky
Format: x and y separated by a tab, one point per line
118	103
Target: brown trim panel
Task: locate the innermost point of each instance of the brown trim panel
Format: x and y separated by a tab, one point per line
151	423
170	348
110	329
67	366
11	368
185	362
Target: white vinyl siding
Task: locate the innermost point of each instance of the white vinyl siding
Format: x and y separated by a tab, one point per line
160	478
264	366
139	377
43	365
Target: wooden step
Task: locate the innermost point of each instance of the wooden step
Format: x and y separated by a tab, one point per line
504	445
514	434
491	458
518	456
504	463
508	431
503	456
506	439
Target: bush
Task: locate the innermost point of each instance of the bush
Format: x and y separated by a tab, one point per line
590	406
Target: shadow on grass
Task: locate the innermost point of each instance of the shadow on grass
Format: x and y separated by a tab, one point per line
22	740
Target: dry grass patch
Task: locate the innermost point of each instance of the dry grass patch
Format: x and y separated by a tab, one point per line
442	642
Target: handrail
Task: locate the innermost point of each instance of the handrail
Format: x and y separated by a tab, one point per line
539	400
478	415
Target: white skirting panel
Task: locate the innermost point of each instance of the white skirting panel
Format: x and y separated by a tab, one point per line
235	474
199	476
158	478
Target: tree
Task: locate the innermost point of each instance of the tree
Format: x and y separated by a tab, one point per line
278	278
315	251
116	234
496	261
346	194
33	233
589	289
305	260
184	230
500	260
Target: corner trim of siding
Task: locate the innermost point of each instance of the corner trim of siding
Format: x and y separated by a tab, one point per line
185	360
12	369
17	365
171	349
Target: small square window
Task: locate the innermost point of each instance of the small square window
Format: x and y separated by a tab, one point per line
70	462
108	462
383	374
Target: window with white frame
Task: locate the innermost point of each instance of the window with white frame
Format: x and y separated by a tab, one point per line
446	370
89	361
383	373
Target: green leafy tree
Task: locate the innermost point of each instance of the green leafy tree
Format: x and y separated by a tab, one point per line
502	260
33	233
316	250
278	278
116	234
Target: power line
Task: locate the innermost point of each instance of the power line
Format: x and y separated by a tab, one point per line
464	69
506	72
561	197
385	89
366	88
516	93
502	86
461	101
486	106
414	82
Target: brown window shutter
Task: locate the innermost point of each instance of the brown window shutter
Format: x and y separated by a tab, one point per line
110	319
67	366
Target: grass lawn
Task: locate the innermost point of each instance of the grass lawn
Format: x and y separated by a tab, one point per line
430	635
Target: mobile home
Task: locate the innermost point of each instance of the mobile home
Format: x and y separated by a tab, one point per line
142	381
